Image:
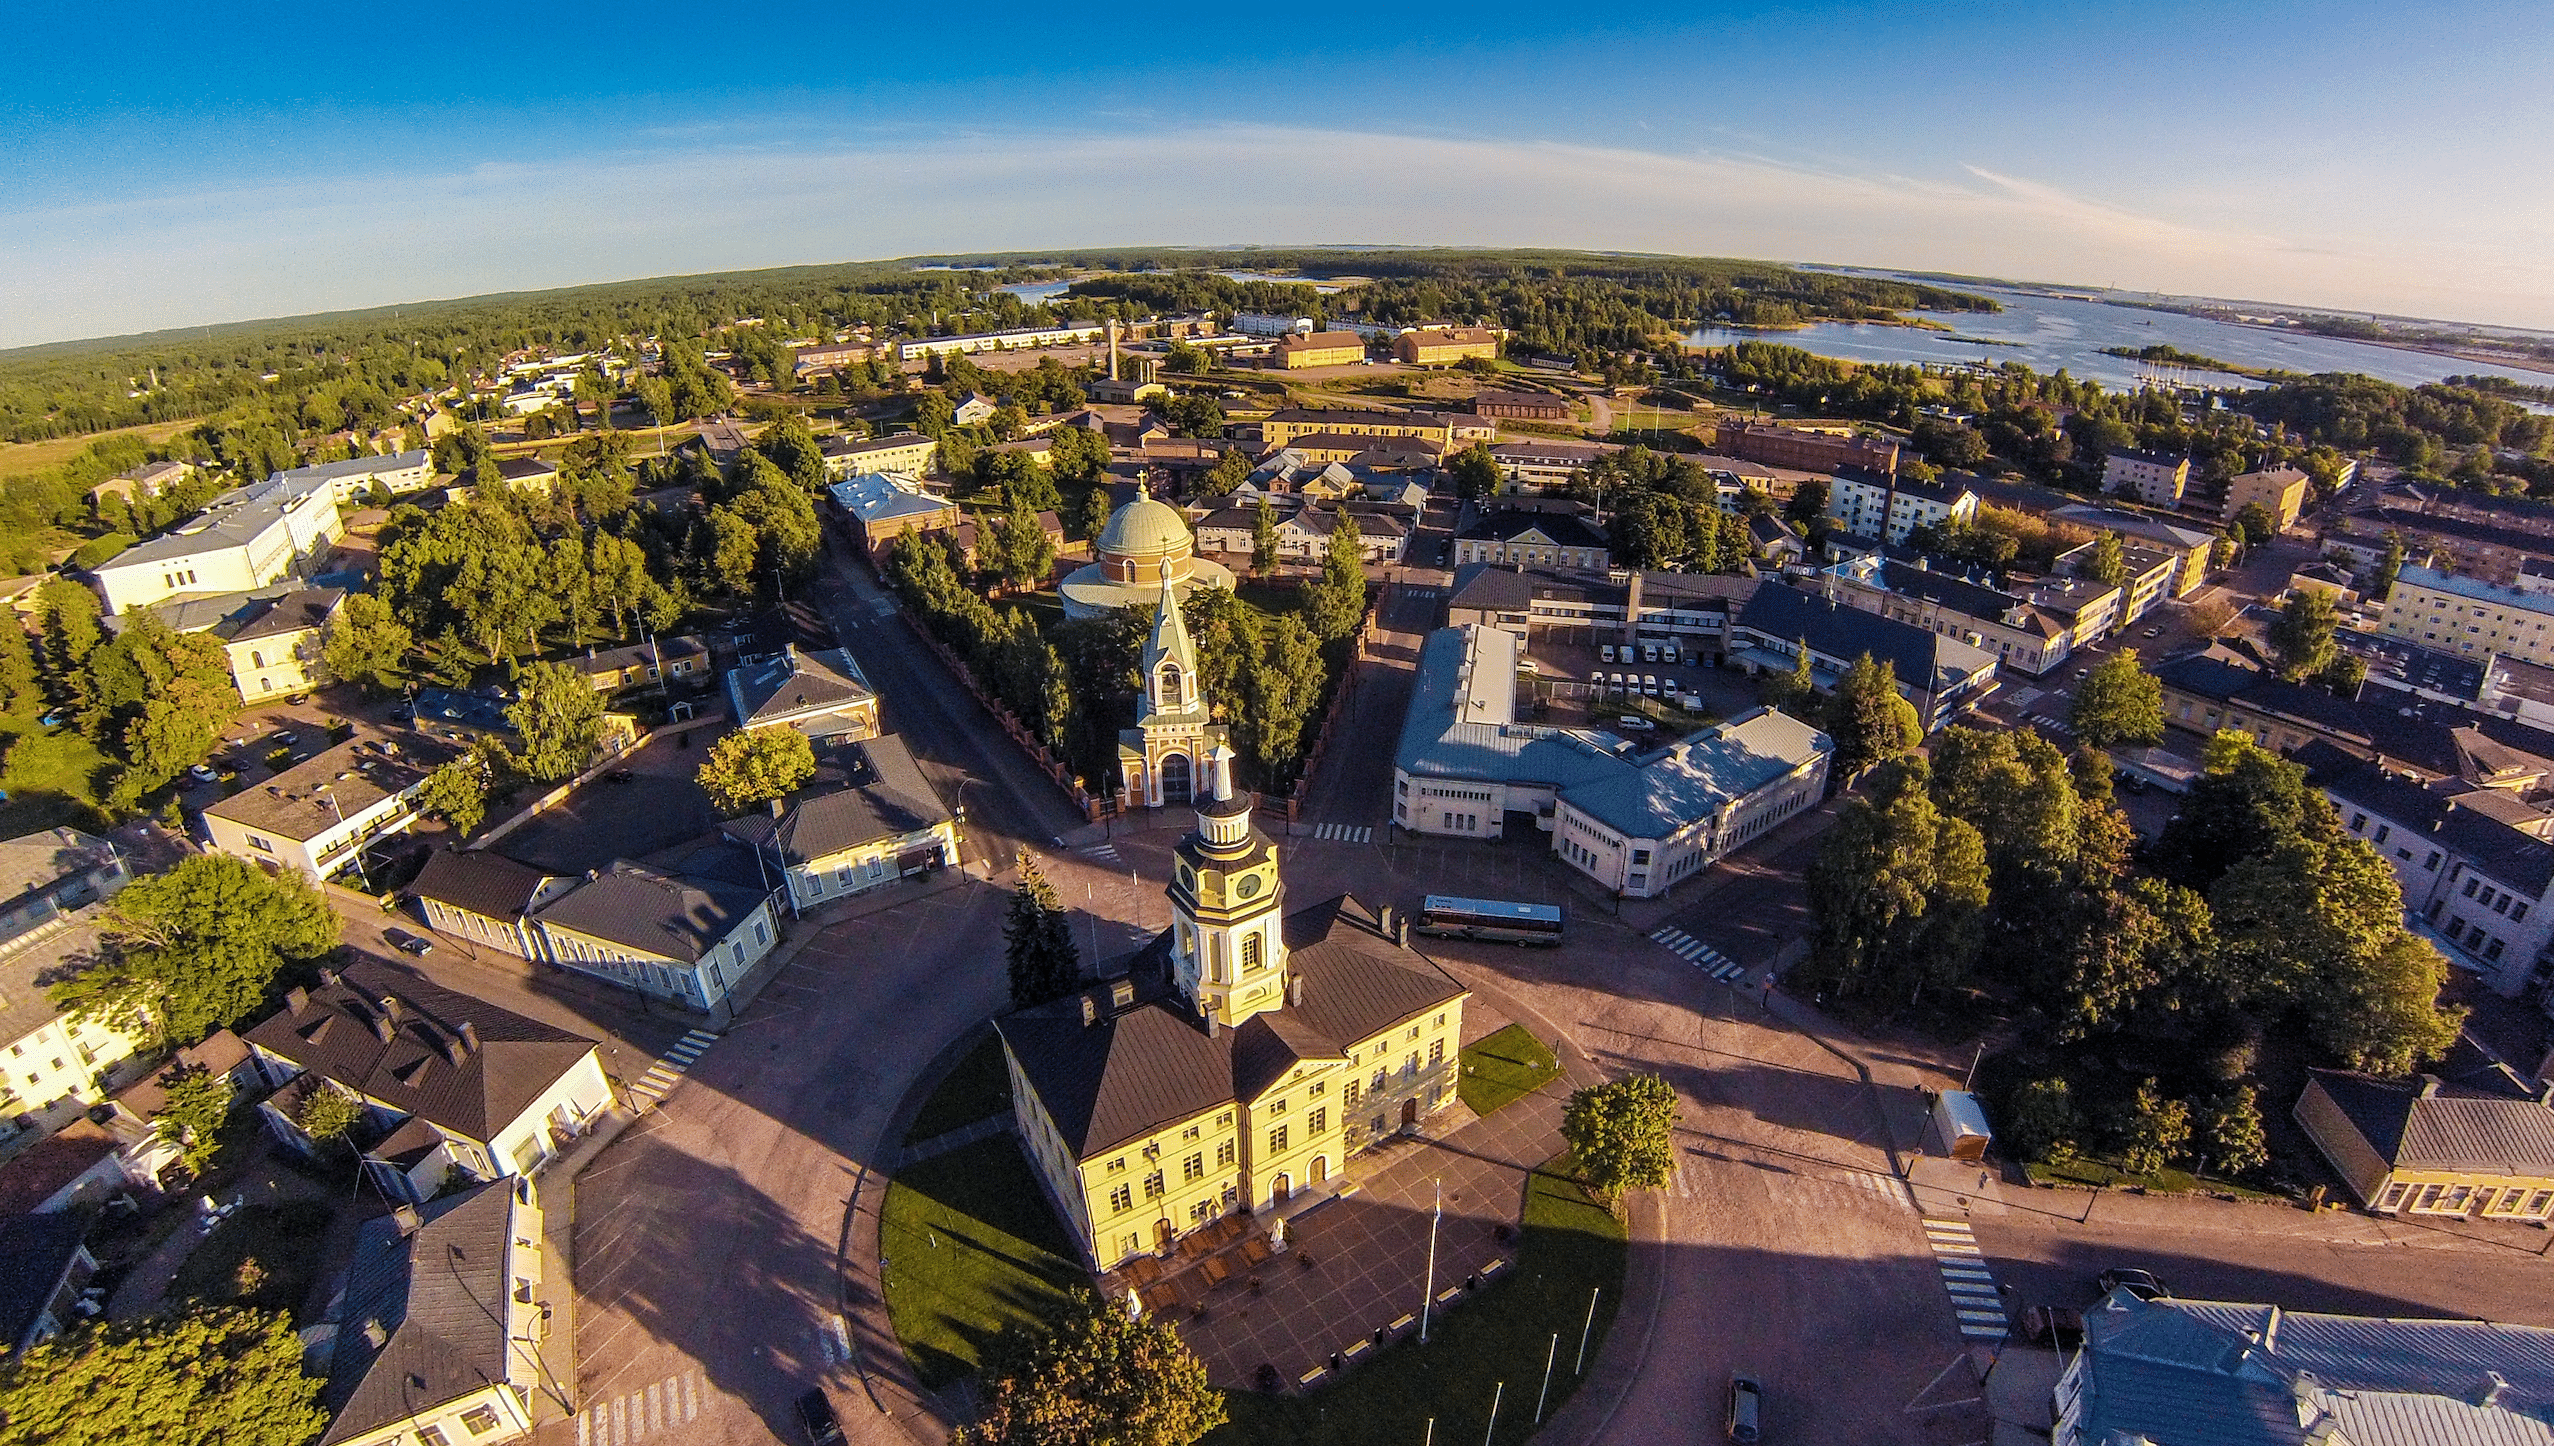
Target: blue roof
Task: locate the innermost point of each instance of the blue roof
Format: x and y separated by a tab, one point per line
357	467
1700	775
2477	589
1920	657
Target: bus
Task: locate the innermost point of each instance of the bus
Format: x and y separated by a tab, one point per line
1492	919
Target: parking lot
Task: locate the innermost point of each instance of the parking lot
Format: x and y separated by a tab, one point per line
1569	682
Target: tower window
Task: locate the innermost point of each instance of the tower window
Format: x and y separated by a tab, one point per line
1252	952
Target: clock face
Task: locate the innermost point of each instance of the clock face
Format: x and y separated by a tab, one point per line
1247	886
1187	877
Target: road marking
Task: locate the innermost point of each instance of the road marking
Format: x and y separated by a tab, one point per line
1699	954
633	1415
1975	1301
672	1065
1104	852
833	1342
1344	833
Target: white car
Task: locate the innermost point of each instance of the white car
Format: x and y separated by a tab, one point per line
1634	723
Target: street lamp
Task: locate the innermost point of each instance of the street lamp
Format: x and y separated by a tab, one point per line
329	791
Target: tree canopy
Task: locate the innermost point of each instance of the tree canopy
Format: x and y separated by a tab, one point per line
558	722
1037	939
198	948
2119	702
213	1377
1094	1376
756	765
1623	1134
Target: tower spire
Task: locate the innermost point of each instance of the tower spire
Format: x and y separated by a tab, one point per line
1169	643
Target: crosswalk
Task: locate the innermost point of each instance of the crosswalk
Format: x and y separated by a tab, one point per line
672	1065
655	1410
1407	591
1699	954
1973	1294
1686	1183
1106	853
1345	833
2054	725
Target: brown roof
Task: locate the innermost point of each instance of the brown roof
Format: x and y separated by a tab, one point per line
359	773
1451	336
478	882
1136	1069
1321	341
2490	1124
44	1167
337	1033
666	916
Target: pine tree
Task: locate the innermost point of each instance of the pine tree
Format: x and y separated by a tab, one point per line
1037	940
1333	605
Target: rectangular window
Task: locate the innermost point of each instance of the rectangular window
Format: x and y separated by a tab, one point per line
2432	865
1192	1169
1224	1154
1436	1051
480	1420
2471	884
1153	1186
1190	1133
1348	1095
1117	1164
2358	823
2518	911
432	1436
2382	831
1121	1200
1277	1140
1198	1212
2391	1199
1317	1121
1224	1120
1277	1106
1252	951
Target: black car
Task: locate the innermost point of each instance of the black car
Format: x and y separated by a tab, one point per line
816	1414
620	775
1746	1420
407	943
2139	1283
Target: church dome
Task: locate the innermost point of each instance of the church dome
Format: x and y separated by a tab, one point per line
1145	529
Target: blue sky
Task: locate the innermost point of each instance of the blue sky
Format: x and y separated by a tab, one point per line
179	164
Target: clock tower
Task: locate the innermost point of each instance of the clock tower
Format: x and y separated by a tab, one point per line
1228	937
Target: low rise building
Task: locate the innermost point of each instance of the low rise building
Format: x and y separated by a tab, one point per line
1521	406
2031	629
55	1067
1028	338
1691	610
2331	580
867	818
2280	491
447	1082
808	361
1287	423
2479	1143
2469	616
1891	508
2157	479
317	816
1532	463
2484	547
906	455
47	1265
883	506
248	538
1444	346
2189	546
1533	538
273	645
47	878
2210	1373
678	662
1810	451
2477	881
1320	349
821	693
1942	676
398	473
439	1331
688	938
1638	820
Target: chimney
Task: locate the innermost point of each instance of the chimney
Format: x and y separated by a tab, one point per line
1401	931
406	1216
2270	1332
1090	1011
327	977
382	1025
469	1036
390	1007
776	808
1121	994
2494	1384
450	1046
1295	989
296	999
1385	918
2430	1086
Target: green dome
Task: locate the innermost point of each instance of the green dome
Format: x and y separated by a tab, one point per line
1145	528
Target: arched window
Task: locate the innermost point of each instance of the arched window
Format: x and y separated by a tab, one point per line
1171	687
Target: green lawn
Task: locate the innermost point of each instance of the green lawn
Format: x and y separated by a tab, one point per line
979	1088
2168	1181
1503	1068
264	1256
1571	1247
970	1247
51	777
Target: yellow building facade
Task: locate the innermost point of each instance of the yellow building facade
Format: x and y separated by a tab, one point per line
1321	349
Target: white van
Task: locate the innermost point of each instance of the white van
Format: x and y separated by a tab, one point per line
1605	652
1649	652
1667	654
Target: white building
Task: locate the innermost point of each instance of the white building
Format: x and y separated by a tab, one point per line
688	938
2479	884
247	538
1023	339
317	816
869	817
54	1069
447	1082
1634	818
1875	504
398	472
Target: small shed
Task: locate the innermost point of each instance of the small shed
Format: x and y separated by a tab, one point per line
1961	1121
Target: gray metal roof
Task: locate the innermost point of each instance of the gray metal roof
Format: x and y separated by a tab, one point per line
2434	1124
666	916
866	791
1700	775
423	1321
1923	659
232	519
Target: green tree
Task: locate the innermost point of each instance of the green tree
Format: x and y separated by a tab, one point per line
366	644
2245	800
2378	583
1077	455
1475	471
1094	1376
1867	719
195	1106
1195	415
1037	940
1336	601
18	673
213	1377
1807	509
1263	539
1091	516
558	721
2108	563
67	619
1279	690
2255	524
198	948
2301	637
2233	1132
1623	1135
1795	692
326	1113
1028	554
2152	1131
754	766
1898	893
2119	702
2041	1123
457	791
1230	471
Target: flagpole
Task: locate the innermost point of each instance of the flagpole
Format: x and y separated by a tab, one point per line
1428	1294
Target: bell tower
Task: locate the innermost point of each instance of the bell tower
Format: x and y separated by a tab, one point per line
1162	759
1228	936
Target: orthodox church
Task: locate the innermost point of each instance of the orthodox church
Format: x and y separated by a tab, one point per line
1241	1055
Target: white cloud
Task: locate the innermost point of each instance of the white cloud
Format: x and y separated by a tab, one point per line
150	262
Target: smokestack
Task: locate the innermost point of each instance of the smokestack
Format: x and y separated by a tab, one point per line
469	1036
1112	348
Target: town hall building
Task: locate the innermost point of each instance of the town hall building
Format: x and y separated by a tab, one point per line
1242	1056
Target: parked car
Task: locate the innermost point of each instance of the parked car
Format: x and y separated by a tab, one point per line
1527	667
1649	684
202	773
407	943
1668	654
1746	1409
1635	723
2156	631
1649	652
816	1416
1614	681
1605	652
2139	1283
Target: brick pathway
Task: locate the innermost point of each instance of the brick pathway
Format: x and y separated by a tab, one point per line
1369	1250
